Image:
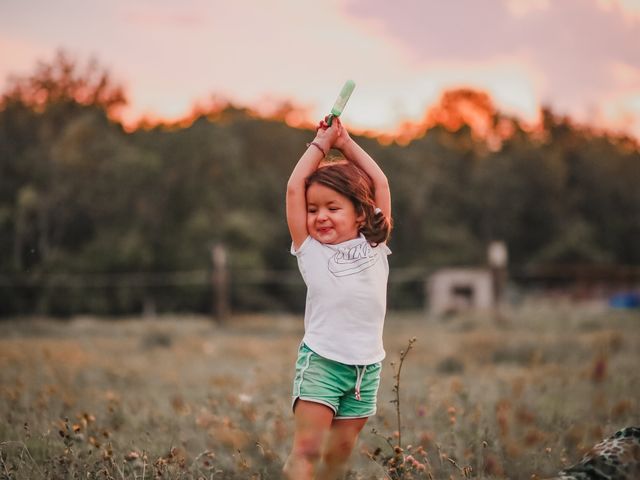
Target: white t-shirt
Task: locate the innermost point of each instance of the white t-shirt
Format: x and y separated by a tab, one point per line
346	299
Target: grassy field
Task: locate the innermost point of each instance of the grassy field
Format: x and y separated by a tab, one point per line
180	397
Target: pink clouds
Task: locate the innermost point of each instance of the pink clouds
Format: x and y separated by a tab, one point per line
571	44
578	56
165	17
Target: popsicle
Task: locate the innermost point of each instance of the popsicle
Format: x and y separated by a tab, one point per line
341	101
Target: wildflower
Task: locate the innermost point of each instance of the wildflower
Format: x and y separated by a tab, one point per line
133	455
244	398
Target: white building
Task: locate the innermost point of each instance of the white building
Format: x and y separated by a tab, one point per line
459	289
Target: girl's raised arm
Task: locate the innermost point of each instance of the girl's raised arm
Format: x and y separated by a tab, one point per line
356	154
296	192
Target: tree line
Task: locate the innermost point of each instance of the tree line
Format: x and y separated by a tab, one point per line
81	195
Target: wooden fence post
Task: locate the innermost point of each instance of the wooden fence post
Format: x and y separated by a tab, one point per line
498	257
220	283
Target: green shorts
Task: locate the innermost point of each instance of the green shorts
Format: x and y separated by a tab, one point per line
349	390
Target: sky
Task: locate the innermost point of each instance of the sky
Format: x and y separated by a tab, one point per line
580	57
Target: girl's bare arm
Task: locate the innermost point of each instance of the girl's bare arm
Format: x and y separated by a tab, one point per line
356	154
296	200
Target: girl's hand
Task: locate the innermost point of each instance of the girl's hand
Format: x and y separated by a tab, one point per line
343	136
326	135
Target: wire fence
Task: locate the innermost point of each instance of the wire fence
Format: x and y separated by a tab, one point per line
217	290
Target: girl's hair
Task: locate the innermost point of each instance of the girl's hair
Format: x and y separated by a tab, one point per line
353	182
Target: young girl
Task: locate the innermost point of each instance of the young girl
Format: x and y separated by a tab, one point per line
339	216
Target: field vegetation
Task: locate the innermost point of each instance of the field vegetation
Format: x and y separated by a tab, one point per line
182	397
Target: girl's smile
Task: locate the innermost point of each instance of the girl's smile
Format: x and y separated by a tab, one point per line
331	216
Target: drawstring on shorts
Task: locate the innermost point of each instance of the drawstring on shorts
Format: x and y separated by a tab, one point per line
359	377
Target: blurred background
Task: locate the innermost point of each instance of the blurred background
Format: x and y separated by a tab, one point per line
145	148
144	152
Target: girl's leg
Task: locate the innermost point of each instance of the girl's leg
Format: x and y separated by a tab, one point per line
312	424
342	438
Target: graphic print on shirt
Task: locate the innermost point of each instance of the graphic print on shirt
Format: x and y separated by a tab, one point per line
349	261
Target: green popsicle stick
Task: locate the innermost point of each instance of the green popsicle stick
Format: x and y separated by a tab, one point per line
341	101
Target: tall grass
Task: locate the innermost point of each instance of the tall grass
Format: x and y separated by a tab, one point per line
182	398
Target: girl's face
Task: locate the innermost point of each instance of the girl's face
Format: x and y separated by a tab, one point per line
331	216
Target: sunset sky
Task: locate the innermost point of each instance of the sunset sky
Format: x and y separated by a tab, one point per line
581	57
